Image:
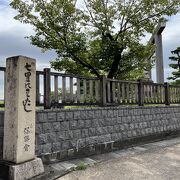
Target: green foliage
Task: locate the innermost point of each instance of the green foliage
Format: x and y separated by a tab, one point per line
81	166
176	66
95	37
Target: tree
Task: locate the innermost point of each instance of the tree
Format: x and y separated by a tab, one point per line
176	65
95	37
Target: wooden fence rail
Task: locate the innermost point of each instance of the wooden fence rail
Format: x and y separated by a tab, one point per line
58	89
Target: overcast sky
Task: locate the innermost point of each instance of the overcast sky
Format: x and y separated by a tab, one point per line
12	41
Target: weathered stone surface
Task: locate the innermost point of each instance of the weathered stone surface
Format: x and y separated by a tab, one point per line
26	170
19	123
52	116
61	116
42	139
69	131
69	116
41	117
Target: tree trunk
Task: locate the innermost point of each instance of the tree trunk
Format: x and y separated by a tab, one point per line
115	64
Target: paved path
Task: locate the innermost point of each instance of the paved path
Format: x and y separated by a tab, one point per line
154	161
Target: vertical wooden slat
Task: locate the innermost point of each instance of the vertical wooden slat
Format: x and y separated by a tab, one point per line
84	90
113	92
108	92
127	92
167	94
103	90
151	95
148	93
78	90
154	94
144	92
47	88
56	88
97	90
63	89
140	93
123	93
91	89
37	89
119	92
136	93
71	90
160	94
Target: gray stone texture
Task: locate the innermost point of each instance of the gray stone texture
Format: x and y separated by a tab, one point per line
62	130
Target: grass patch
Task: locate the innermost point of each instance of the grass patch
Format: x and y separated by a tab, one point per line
81	166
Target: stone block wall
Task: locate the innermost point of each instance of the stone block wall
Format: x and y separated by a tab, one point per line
63	132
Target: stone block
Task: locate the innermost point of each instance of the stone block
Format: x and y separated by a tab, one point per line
101	130
56	126
51	137
119	120
64	125
92	131
115	112
61	116
47	148
110	129
104	113
41	117
61	136
73	124
47	127
23	171
131	126
97	114
95	123
69	116
56	147
77	115
115	136
77	134
88	123
84	115
116	128
39	129
41	139
65	145
80	124
92	140
85	133
110	113
102	122
105	138
69	134
52	116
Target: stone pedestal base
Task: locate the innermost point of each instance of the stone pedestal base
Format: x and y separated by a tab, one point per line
21	171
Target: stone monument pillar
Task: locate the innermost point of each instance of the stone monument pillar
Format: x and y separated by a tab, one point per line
159	59
19	122
156	39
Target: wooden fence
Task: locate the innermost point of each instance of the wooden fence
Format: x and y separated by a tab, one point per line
58	90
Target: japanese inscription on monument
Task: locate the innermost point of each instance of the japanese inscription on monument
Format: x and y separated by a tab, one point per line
27	101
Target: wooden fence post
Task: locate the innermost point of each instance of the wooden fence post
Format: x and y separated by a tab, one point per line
167	93
103	90
37	89
47	88
140	93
